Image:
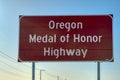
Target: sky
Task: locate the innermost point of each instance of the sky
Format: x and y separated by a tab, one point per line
9	39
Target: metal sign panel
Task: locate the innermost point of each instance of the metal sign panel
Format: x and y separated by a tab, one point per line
65	38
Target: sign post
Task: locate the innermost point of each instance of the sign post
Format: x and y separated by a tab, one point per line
33	70
98	70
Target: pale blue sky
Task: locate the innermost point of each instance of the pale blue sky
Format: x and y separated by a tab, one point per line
9	35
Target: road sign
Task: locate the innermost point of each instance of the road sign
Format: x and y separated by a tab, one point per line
66	38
